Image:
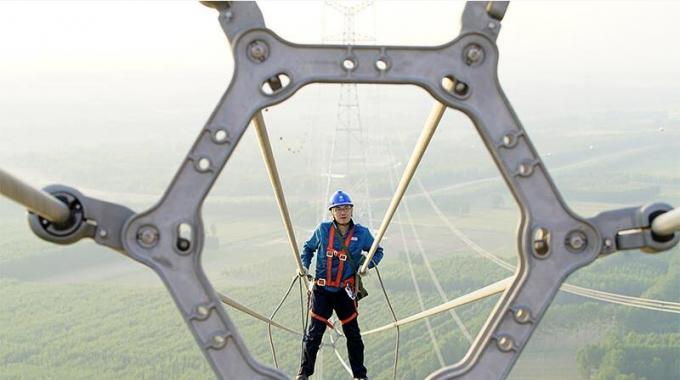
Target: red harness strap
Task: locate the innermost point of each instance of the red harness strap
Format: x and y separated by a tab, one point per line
322	319
349	319
342	256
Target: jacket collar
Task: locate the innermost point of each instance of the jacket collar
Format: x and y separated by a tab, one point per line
337	226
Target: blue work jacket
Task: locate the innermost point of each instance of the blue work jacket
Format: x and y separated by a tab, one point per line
318	242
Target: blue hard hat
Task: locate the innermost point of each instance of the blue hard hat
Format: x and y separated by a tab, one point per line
340	198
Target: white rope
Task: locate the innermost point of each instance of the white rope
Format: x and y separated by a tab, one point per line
433	275
651	304
671	307
414	280
36	201
435	279
254	314
495	288
270	163
619	301
423	141
337	353
667	223
329	175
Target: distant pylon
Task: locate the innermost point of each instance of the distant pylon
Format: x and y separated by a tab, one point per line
347	167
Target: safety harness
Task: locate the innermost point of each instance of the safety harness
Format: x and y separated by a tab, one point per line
342	256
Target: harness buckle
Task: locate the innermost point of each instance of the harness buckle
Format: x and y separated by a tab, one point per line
330	253
321	282
342	257
350	292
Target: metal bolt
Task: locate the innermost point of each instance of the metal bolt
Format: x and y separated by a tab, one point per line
492	25
541	242
460	88
505	343
258	50
473	54
103	233
183	245
576	241
608	244
508	140
226	15
525	169
147	236
202	311
522	315
219	340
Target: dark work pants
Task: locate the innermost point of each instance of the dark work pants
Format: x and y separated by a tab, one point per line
322	304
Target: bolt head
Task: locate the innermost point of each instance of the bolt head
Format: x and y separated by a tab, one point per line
258	51
508	140
103	233
541	242
219	340
505	343
525	169
202	311
147	236
522	315
473	54
460	88
608	244
576	241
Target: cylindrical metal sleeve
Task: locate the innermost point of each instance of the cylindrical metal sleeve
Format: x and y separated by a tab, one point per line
33	199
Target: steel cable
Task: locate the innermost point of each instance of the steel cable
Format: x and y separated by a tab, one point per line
269	326
665	306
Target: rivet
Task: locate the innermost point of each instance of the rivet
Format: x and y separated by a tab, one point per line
219	340
221	136
525	169
522	315
103	233
508	140
203	164
202	311
505	343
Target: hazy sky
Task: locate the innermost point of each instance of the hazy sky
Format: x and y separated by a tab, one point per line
97	71
78	35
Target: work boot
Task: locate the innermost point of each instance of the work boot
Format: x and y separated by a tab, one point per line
301	377
361	378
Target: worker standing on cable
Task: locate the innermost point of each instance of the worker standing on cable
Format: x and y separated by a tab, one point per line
340	244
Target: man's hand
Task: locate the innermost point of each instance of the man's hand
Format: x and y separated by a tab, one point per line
305	274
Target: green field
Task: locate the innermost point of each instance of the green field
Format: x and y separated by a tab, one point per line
84	312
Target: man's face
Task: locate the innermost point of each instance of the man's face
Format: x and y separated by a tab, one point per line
342	214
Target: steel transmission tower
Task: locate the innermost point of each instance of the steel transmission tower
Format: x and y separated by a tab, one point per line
347	167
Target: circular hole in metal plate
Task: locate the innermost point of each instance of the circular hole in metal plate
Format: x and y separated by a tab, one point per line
275	84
